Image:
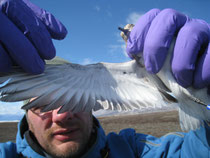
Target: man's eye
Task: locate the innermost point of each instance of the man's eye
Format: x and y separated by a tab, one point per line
37	109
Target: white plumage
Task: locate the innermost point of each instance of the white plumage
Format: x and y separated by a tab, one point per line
119	86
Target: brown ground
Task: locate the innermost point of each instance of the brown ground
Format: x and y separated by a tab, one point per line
156	124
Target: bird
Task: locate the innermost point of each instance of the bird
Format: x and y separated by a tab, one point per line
110	86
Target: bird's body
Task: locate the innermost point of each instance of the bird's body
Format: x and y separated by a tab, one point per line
191	102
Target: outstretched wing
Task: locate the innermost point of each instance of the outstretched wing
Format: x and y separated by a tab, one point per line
119	86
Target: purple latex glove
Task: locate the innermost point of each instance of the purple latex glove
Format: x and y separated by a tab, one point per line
26	34
153	34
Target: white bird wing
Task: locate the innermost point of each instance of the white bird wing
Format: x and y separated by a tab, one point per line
116	86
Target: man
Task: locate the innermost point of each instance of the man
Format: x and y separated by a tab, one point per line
70	134
65	135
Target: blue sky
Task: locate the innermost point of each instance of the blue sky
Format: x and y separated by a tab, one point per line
92	27
92	24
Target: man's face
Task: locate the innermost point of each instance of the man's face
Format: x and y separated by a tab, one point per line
61	135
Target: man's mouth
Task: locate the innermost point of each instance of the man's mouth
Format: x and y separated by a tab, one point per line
66	134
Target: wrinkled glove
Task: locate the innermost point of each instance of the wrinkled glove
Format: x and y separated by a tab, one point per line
153	34
26	33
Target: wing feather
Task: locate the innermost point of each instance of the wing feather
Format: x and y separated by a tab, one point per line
121	86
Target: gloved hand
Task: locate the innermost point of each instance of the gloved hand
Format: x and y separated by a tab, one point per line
25	35
153	34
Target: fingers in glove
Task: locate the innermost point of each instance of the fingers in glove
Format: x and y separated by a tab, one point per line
31	26
159	37
135	43
5	61
188	44
202	71
19	47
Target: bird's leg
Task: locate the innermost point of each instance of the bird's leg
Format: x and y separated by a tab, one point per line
125	31
199	101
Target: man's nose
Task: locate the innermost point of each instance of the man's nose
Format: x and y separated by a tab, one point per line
61	117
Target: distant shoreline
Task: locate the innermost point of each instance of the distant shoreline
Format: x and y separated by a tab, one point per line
155	123
111	114
99	113
10	121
